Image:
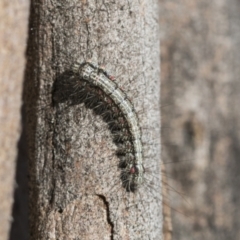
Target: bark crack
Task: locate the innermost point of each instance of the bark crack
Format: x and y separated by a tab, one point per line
106	203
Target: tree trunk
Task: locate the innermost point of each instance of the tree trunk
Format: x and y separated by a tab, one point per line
13	19
200	82
75	186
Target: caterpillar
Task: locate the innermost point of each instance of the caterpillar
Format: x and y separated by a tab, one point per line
118	174
120	113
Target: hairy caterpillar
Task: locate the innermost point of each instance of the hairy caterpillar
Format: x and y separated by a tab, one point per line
107	119
97	90
122	113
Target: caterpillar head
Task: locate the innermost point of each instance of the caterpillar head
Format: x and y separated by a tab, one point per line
132	177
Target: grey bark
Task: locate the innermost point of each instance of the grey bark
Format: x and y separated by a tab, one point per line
13	28
75	189
200	83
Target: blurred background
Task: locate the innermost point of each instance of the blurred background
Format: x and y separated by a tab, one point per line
200	98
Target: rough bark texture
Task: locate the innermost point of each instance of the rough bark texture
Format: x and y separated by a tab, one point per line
13	29
200	85
75	190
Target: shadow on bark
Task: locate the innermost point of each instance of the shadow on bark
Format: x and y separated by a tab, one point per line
19	227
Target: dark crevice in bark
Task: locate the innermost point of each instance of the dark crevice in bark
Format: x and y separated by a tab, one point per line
107	213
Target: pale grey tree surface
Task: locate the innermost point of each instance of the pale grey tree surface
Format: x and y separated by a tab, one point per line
76	191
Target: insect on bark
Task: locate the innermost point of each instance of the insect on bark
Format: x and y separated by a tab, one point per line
115	106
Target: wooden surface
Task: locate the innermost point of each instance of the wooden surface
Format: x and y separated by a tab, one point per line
75	189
